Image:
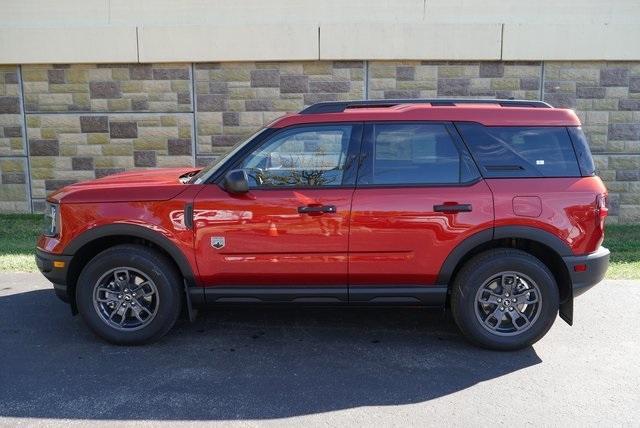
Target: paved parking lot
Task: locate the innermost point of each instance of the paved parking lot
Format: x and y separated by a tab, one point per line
316	367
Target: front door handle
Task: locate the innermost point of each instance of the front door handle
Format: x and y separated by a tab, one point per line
452	208
317	209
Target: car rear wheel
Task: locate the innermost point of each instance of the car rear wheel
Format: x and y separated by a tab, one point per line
129	294
504	299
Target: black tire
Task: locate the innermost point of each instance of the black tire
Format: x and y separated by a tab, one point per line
148	262
478	273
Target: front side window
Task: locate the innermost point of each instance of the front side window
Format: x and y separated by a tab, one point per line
413	154
308	156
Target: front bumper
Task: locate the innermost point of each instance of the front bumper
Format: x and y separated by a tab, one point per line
56	274
588	270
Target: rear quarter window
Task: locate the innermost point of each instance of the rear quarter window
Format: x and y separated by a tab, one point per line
508	151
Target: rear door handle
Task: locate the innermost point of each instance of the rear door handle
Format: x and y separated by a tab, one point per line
317	209
452	208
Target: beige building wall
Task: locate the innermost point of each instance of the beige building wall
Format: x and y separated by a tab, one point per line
77	31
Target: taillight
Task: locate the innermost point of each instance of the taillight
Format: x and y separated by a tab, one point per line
601	209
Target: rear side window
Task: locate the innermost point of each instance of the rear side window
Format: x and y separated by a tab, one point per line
581	146
508	151
413	154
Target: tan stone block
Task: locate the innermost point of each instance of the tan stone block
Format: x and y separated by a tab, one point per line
291	68
168	121
121	104
150	143
174	161
235	73
184	132
98	138
242	93
11	165
69	88
382	70
118	149
291	105
103	162
154	86
317	68
89	150
17	145
380	84
419	85
235	105
81	100
450	71
130	86
120	74
35	87
99	74
77	75
605	104
32	74
616	92
68	149
99	105
505	84
158	132
180	85
162	106
522	71
579	74
41	173
48	133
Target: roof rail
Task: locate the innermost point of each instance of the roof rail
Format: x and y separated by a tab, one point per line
340	106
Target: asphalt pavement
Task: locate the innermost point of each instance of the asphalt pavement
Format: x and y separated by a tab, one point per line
316	367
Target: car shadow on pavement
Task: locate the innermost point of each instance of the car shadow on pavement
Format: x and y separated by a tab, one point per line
235	363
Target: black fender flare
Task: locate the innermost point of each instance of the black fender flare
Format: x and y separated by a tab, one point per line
136	231
500	232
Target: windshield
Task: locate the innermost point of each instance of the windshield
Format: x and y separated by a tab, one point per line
208	170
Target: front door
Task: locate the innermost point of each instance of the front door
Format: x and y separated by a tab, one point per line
418	196
292	228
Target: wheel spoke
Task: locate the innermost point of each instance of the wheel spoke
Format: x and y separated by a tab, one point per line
508	282
115	311
527	297
517	315
489	296
143	290
498	315
124	316
122	278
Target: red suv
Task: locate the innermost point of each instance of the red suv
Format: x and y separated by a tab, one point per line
489	207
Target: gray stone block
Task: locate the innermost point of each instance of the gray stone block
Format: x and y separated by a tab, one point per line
123	130
491	69
9	105
91	124
82	164
179	146
624	131
265	78
40	147
294	84
211	102
614	77
329	86
104	90
144	158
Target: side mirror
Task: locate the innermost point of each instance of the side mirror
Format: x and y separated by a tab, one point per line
236	181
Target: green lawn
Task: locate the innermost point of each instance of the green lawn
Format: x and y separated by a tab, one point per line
18	234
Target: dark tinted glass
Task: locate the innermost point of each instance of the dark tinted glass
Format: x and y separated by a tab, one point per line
412	154
309	156
503	151
581	146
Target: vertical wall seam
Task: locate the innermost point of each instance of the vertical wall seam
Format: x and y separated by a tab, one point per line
25	139
318	43
137	45
541	80
366	80
501	40
194	123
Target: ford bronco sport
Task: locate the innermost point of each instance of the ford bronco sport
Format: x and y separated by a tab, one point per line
488	207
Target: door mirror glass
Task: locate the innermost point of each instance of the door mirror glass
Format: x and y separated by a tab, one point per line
236	181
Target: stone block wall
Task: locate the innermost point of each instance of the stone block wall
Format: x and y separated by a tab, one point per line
64	123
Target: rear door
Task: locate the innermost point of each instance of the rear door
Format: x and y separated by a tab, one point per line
418	195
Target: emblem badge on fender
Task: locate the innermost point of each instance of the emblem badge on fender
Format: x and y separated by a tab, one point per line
217	242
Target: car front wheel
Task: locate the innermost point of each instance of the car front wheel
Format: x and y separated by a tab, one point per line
129	294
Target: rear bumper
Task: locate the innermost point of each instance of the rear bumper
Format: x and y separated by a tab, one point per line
57	275
595	268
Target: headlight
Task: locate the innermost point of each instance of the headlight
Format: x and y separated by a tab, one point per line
51	225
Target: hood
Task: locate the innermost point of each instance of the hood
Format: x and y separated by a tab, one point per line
141	185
